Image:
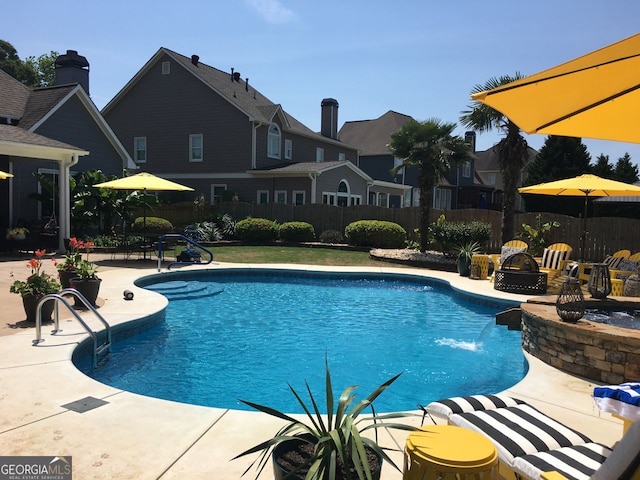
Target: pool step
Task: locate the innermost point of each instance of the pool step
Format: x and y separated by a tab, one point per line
183	290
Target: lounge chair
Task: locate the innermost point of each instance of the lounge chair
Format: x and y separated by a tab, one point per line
612	261
530	444
509	248
554	259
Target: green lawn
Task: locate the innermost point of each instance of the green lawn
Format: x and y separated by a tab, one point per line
299	255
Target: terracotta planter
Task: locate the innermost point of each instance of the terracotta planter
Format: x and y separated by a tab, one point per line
30	302
89	289
66	276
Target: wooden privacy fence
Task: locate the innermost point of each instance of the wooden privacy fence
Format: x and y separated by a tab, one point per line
605	234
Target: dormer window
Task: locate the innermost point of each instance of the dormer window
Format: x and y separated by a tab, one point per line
273	142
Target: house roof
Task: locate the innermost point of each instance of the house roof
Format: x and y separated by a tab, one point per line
239	92
303	169
372	136
13	97
27	109
487	160
20	142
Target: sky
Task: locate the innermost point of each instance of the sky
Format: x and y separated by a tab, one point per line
417	57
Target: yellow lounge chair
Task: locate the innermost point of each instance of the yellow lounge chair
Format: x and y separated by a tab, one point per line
509	248
554	259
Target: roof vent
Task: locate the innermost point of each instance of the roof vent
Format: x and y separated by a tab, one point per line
195	59
236	76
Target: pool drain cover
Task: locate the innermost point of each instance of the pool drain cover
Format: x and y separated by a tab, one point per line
85	404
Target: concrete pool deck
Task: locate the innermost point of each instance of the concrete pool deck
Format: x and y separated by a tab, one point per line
135	437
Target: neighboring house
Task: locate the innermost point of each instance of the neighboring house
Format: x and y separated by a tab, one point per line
488	168
461	187
213	131
54	130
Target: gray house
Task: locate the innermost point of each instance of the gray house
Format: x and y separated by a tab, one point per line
213	131
56	131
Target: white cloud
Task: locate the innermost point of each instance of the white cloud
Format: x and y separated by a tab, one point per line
272	10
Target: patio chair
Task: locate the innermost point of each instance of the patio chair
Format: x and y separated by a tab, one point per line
554	259
626	267
509	248
531	444
612	261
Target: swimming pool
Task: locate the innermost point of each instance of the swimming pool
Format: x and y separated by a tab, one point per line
235	334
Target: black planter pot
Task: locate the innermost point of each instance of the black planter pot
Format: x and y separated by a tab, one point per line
279	472
30	302
89	289
66	276
464	266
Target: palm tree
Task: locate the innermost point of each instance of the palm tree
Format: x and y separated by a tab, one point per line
431	147
512	149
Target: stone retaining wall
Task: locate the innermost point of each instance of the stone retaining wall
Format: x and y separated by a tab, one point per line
595	351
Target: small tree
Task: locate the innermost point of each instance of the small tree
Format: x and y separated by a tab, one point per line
432	147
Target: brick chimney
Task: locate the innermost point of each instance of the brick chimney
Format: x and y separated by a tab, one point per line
470	138
72	68
329	118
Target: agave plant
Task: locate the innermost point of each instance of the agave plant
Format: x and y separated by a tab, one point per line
336	437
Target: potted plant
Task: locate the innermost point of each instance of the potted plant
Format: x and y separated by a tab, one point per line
72	259
87	282
464	253
36	286
327	446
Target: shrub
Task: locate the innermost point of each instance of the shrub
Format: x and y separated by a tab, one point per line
376	233
153	225
331	236
257	230
447	235
297	232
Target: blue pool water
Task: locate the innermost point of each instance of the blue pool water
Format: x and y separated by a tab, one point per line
231	336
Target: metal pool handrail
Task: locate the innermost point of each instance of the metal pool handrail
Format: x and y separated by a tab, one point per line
189	242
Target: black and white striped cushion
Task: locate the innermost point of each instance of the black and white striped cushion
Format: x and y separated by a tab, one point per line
576	463
448	406
553	259
518	431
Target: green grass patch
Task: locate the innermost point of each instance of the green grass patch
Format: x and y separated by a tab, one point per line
293	255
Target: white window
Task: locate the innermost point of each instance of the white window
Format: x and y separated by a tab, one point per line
273	142
356	199
280	196
195	148
341	157
343	193
466	169
319	154
328	198
299	197
492	179
442	198
166	68
217	190
288	149
263	196
140	149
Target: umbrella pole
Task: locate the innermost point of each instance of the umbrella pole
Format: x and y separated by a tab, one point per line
583	236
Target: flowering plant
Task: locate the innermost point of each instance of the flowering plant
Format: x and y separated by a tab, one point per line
86	270
16	233
38	283
73	258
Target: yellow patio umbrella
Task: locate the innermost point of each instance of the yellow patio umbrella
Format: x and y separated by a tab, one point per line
144	181
583	186
5	175
594	96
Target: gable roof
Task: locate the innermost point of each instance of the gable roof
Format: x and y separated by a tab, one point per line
22	143
372	136
27	109
239	93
